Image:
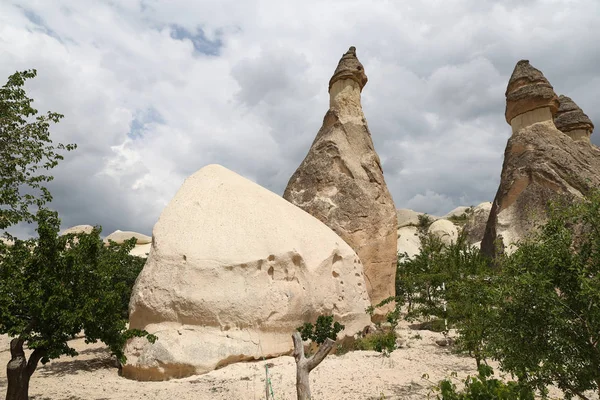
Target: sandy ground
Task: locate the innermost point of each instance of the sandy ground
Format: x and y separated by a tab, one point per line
355	375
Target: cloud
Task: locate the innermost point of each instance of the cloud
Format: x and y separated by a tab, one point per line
153	90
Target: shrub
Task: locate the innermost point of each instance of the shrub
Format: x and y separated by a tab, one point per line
324	328
484	387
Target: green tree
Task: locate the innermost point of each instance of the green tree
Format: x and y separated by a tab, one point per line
51	287
25	152
548	322
451	283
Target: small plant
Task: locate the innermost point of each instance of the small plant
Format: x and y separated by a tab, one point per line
424	221
483	387
324	328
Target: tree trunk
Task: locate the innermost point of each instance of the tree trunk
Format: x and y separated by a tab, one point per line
18	370
305	365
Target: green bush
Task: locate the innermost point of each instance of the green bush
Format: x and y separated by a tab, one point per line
324	328
483	387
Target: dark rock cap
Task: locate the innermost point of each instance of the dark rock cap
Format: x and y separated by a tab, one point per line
570	117
528	90
349	68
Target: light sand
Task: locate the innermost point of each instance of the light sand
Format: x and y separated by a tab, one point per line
355	375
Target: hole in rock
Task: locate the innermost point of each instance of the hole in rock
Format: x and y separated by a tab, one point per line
270	272
335	274
271	257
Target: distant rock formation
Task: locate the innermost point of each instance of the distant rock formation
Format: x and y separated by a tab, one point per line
233	271
341	183
121	236
78	229
444	230
540	162
571	120
476	221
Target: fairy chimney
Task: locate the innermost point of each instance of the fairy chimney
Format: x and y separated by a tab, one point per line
529	97
571	120
341	183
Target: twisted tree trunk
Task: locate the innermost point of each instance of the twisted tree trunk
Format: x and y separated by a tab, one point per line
305	365
19	370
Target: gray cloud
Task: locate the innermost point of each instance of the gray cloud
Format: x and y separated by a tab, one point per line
152	91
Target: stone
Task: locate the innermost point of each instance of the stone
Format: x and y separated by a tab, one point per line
78	229
477	219
409	241
457	212
349	68
121	236
541	163
7	242
233	270
407	217
444	230
341	182
571	120
529	96
141	250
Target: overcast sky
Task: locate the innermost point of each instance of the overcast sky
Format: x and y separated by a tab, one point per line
153	90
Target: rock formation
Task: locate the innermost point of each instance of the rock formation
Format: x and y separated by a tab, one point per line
445	230
409	242
529	97
234	269
341	183
78	229
571	120
477	219
121	236
540	162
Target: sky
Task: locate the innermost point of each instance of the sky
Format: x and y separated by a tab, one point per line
152	90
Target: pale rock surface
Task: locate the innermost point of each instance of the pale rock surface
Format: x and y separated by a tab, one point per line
7	242
528	90
457	212
571	120
78	229
408	217
141	250
121	236
475	226
409	241
233	270
445	230
540	164
341	182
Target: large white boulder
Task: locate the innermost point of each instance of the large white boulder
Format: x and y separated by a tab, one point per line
233	270
78	229
409	241
121	236
445	230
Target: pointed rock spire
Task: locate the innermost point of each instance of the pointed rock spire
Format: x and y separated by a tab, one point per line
528	90
571	120
349	68
341	183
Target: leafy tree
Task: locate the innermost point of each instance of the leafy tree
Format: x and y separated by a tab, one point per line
52	288
323	328
25	150
484	386
451	283
548	322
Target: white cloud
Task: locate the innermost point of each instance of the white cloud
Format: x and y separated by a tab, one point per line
147	107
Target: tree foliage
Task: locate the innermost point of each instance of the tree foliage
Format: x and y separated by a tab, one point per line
323	328
548	329
26	150
53	287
